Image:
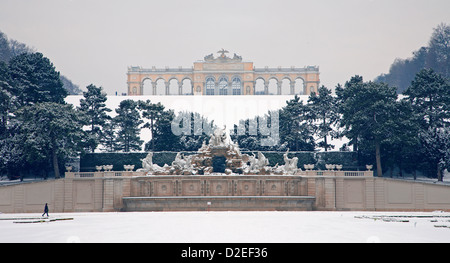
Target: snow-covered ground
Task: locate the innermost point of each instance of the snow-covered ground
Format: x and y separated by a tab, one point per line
233	227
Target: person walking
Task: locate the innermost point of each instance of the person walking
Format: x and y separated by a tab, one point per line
45	210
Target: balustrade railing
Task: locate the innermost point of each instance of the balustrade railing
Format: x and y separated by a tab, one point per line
354	173
135	173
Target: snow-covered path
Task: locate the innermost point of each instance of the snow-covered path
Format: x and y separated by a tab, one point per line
233	227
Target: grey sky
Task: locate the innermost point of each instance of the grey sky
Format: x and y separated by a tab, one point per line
93	41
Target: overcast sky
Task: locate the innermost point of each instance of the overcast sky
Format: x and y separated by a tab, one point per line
94	41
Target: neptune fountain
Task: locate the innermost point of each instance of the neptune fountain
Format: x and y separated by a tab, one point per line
220	156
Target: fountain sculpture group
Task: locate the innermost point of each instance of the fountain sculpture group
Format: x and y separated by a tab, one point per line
220	156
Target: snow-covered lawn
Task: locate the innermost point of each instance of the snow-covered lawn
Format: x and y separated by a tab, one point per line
233	227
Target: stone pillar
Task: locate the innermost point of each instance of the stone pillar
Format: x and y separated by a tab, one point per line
68	195
266	88
153	87
279	83
180	88
292	84
230	89
108	195
167	87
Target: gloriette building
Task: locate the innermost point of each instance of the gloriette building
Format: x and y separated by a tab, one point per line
223	75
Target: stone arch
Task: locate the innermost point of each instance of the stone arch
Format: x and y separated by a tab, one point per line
272	86
173	86
285	86
187	86
146	78
147	86
161	86
260	84
299	87
273	77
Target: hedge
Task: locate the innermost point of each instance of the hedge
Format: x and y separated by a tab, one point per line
88	161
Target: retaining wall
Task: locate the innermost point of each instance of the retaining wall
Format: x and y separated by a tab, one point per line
106	191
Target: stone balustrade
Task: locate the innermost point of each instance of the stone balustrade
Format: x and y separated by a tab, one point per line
307	173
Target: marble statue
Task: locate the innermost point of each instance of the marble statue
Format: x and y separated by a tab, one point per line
262	160
182	162
147	163
148	166
218	138
290	165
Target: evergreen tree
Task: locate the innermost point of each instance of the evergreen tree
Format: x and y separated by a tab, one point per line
436	144
164	139
429	95
323	112
94	108
153	112
5	51
12	152
369	113
109	138
52	132
404	150
35	80
344	94
296	131
5	98
128	121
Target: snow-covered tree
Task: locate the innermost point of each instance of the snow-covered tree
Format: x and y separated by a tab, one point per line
35	80
94	109
429	95
369	113
51	132
128	121
324	115
152	112
109	138
295	128
436	143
